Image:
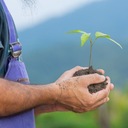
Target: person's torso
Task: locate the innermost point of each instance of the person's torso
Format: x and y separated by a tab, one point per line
24	119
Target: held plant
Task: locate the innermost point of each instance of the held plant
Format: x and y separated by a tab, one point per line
84	38
87	36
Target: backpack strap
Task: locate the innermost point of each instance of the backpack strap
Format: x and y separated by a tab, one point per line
4	40
15	45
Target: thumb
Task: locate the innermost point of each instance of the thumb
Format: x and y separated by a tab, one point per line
93	79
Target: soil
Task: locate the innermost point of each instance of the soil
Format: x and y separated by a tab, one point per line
93	88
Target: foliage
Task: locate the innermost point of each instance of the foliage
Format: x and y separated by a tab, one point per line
117	109
87	36
67	120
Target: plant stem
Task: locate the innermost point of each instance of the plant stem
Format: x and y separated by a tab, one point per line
90	58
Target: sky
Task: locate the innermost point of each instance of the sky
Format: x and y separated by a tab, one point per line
25	16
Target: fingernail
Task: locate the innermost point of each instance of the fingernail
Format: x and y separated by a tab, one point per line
108	99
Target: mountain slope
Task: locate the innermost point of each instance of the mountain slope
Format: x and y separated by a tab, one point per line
48	51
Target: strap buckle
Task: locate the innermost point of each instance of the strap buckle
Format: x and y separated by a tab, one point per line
15	49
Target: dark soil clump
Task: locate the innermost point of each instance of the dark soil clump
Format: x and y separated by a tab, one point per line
93	88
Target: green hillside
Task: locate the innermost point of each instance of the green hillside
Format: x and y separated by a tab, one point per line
48	51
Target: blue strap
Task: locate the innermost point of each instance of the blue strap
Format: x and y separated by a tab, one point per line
10	24
15	46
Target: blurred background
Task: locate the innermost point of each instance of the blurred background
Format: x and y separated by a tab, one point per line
48	51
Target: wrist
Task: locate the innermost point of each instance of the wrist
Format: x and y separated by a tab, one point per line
50	93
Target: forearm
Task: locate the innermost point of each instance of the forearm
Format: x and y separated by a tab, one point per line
49	108
44	109
16	97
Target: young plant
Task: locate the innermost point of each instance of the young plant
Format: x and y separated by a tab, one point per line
87	36
84	38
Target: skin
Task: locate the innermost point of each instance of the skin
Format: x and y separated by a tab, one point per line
66	94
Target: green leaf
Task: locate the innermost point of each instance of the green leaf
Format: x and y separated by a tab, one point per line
101	35
84	38
115	42
76	31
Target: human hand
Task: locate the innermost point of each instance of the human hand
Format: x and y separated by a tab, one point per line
69	73
74	94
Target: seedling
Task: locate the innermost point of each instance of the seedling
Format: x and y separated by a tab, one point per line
87	36
84	38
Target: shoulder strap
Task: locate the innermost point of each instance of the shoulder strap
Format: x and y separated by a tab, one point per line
4	40
15	45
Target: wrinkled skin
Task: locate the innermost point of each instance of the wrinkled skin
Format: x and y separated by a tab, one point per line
75	95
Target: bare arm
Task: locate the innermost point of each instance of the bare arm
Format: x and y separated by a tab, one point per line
16	97
68	93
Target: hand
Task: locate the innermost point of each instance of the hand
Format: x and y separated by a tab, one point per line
69	73
77	99
74	94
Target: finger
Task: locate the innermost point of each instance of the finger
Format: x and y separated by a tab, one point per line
73	70
109	82
101	71
77	68
108	79
93	79
98	104
102	94
111	86
67	74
